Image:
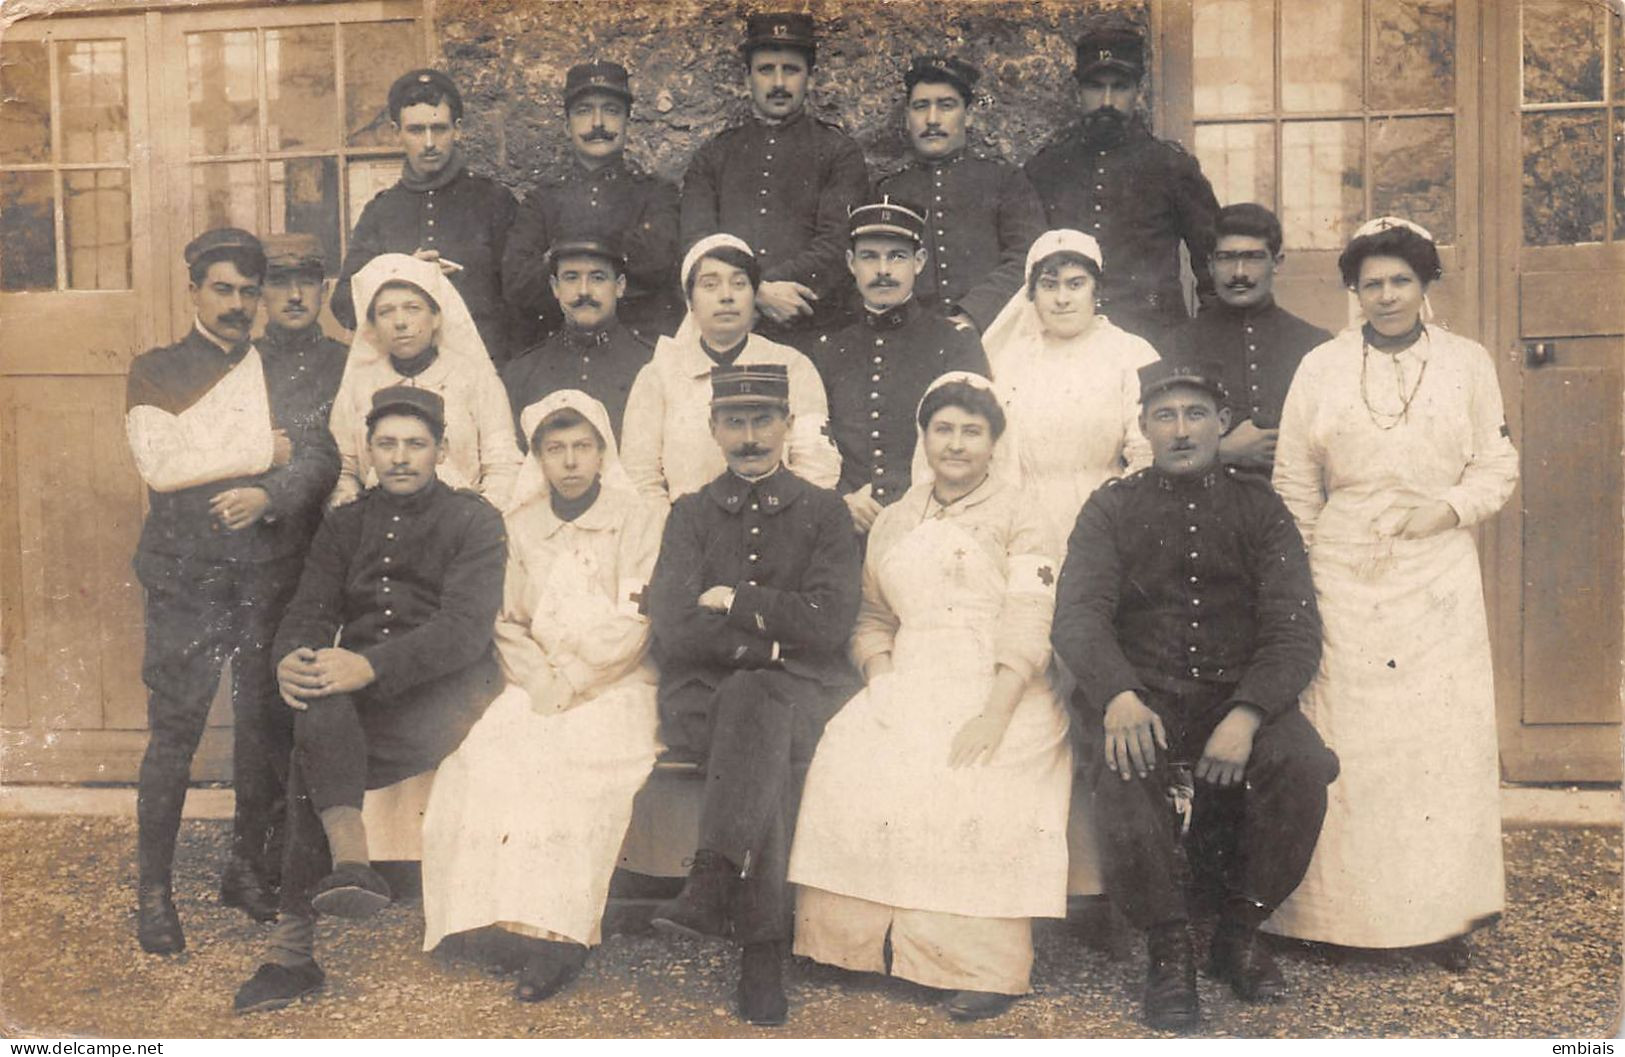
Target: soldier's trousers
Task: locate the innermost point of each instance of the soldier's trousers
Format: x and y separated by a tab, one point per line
199	615
757	731
1254	839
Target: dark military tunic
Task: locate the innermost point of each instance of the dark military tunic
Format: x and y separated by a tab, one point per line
1140	197
1258	351
601	363
412	583
303	369
981	217
636	210
466	218
875	372
1171	583
785	189
1195	594
751	689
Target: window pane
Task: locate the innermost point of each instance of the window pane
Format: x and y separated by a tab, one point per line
224	194
221	71
95	118
368	176
96	213
300	83
1563	175
27	231
375	53
1413	172
1320	55
1562	51
1619	175
25	103
1323	202
1413	53
305	198
1618	21
1239	160
1233	58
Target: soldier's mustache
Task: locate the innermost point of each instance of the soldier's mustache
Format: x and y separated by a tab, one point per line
599	133
236	319
779	93
585	301
1241	283
883	281
749	451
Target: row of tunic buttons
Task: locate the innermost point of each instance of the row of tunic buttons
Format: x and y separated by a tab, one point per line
429	206
751	555
766	172
1196	601
942	249
874	434
1252	367
388	611
1100	184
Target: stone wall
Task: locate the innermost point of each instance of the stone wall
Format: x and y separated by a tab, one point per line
510	58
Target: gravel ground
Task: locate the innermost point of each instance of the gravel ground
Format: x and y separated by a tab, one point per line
69	965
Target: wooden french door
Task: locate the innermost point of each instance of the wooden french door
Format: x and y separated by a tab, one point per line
121	137
1501	128
1557	139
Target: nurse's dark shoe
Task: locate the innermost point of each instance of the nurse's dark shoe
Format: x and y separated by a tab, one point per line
549	970
1454	954
977	1005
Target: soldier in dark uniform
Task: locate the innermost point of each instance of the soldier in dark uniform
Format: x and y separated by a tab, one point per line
1186	612
1256	343
595	351
303	367
408	579
220	553
876	370
602	194
1139	196
782	181
439	211
753	598
981	214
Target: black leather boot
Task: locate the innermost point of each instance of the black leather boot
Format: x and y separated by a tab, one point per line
1170	980
242	886
702	907
1239	958
761	985
157	926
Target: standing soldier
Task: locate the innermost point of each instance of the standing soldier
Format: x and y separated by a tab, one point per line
1139	196
595	351
981	214
439	211
231	475
783	181
303	367
602	194
877	369
753	598
1256	344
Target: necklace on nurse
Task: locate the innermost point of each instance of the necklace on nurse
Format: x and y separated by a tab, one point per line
1386	420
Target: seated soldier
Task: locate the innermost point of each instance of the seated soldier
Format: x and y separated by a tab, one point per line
1186	612
753	598
408	580
527	817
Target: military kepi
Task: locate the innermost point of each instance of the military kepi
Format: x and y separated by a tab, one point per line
599	76
950	68
1116	49
408	400
586	244
750	385
1161	375
443	85
294	252
888	216
217	242
785	29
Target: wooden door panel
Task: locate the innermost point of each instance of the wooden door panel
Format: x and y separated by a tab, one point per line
1573	549
78	517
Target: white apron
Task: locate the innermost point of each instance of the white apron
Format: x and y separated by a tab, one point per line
528	815
883	818
1410	852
